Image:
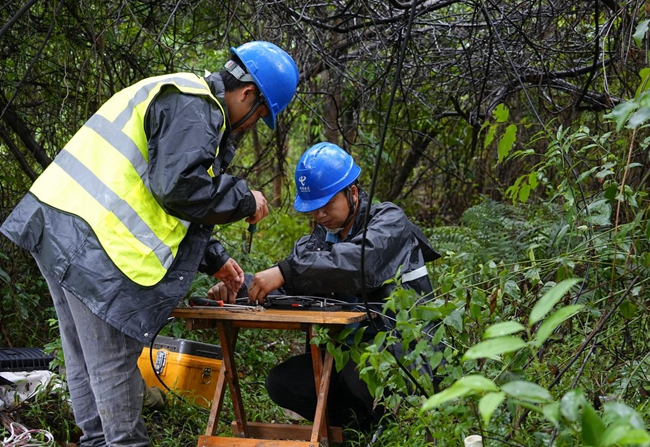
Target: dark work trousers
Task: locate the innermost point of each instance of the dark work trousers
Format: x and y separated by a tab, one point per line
349	403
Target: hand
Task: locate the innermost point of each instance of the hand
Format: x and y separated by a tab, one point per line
231	274
261	208
219	292
264	282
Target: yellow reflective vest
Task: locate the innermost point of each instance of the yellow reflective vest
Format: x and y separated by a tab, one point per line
100	176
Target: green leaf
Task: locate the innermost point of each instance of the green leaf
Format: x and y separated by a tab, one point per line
358	335
528	391
639	33
643	96
633	437
501	113
552	412
627	309
639	117
644	74
379	338
437	337
453	392
570	404
551	323
616	412
488	404
621	112
477	382
592	426
524	192
455	320
436	359
471	384
505	328
611	192
343	335
507	141
550	298
493	347
489	137
599	212
613	434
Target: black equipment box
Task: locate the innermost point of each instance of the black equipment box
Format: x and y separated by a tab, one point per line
190	347
24	359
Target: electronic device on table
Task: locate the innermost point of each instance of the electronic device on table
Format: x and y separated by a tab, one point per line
300	303
286	302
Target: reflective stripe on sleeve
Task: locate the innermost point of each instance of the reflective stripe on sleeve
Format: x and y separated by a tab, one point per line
415	274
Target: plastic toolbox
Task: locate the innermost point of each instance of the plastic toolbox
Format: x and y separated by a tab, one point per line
189	368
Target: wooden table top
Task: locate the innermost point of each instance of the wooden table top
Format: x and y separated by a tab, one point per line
262	314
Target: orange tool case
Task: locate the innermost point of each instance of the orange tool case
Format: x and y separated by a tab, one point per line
189	368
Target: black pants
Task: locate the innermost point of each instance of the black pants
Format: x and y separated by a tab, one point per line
349	403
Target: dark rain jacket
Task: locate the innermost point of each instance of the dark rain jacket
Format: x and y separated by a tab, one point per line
183	132
393	244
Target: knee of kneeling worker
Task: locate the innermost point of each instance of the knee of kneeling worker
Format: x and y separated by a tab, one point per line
276	387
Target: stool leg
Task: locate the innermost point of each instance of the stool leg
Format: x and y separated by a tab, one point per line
321	421
217	402
228	337
322	374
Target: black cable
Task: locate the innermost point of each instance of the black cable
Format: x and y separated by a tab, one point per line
398	70
155	371
382	139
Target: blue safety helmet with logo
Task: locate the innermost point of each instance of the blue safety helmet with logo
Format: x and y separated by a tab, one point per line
273	71
323	170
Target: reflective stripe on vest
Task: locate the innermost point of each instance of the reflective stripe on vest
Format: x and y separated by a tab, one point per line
100	176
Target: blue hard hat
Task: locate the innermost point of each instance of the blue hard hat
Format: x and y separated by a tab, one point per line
274	72
323	170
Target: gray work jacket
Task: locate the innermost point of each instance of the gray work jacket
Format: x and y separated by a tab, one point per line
183	132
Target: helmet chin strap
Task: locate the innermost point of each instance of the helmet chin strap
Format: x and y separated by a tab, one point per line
353	207
257	104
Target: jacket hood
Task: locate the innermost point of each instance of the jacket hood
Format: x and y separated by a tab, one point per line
429	253
217	88
215	82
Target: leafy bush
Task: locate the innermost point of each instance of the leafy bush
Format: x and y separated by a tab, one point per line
524	361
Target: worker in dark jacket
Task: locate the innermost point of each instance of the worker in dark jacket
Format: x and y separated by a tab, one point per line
122	219
328	262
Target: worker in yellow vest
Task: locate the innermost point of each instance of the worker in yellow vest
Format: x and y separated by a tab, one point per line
122	220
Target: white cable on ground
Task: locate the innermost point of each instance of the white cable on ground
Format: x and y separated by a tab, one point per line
21	436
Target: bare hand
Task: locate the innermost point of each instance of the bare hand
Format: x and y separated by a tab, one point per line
264	282
231	274
219	292
261	208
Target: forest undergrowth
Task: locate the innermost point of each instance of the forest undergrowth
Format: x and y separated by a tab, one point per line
537	330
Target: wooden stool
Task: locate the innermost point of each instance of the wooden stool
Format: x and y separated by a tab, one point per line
256	434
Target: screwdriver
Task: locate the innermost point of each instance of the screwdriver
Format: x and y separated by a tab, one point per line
252	228
200	301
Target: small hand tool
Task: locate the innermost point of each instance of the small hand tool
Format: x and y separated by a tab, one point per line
206	302
252	228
